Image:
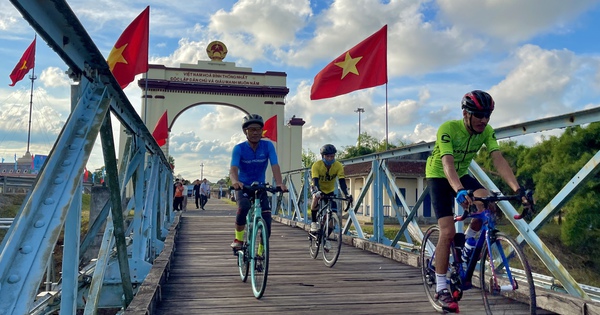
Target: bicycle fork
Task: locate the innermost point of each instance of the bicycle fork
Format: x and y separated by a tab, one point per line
494	286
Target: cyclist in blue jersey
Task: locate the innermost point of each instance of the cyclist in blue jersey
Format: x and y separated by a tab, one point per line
249	163
457	143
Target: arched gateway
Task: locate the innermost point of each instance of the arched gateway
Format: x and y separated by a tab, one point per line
222	83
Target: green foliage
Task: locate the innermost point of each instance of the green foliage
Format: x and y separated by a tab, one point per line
581	228
367	145
308	157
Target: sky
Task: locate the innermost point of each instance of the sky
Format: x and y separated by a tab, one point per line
537	58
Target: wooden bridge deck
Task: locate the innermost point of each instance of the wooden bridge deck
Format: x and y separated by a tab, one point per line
204	278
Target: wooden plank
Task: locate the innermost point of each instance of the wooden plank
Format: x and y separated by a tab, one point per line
204	278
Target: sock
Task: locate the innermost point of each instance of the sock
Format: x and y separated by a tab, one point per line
239	235
470	232
440	281
260	249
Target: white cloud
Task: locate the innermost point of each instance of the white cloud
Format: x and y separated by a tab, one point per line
512	20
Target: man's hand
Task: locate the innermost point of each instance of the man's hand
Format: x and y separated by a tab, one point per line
317	194
462	197
237	185
350	198
283	187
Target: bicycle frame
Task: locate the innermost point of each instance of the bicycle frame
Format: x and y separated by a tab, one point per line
486	235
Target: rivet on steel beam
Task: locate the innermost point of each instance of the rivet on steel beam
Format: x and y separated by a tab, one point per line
13	278
26	249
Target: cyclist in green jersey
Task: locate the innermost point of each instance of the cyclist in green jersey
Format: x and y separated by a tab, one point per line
456	144
324	174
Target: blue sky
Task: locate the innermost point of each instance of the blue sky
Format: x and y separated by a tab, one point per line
537	58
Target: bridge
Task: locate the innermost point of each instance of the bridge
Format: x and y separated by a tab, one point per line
140	253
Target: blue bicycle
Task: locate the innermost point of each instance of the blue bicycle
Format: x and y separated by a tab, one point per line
253	256
503	269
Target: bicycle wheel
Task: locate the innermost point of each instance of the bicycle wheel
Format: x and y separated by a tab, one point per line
243	263
430	240
243	259
508	258
259	264
314	243
332	238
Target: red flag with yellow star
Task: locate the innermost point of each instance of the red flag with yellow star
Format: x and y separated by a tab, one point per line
270	129
129	56
361	67
26	63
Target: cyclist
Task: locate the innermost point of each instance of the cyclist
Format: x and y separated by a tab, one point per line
248	164
456	144
324	172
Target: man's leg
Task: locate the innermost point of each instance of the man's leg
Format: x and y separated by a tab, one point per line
240	219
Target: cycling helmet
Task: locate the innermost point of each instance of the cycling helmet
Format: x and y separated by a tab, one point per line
252	119
328	149
478	101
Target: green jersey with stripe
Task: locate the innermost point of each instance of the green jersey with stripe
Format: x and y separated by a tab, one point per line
453	138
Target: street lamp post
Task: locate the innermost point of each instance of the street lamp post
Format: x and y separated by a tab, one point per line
359	111
201	171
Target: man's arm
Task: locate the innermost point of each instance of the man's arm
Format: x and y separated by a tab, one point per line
233	175
450	172
504	170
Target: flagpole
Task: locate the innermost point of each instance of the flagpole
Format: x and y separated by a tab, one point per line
386	116
32	77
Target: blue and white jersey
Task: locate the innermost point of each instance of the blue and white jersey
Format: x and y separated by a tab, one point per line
251	164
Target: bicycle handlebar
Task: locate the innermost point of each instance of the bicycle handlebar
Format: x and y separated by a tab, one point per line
329	197
495	197
256	186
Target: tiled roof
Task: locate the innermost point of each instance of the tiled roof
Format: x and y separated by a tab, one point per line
397	167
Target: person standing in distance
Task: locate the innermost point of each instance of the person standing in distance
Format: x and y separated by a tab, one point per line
249	161
204	192
323	173
457	143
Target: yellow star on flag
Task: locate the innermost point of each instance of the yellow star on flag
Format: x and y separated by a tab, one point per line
349	64
116	55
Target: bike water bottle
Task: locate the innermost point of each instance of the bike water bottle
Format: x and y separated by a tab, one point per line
468	249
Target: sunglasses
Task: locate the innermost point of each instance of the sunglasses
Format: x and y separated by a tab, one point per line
254	129
481	115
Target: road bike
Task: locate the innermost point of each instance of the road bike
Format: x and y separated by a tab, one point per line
329	235
503	269
253	255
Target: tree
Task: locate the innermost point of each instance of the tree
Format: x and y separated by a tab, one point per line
368	145
308	157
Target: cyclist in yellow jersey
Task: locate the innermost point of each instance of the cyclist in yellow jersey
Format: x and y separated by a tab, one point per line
456	144
324	172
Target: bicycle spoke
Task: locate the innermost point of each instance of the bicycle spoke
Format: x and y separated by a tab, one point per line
260	261
509	277
332	239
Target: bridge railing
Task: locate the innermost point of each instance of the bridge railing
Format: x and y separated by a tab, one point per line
381	180
134	221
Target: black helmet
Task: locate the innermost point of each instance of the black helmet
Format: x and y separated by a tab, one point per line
252	119
328	149
478	101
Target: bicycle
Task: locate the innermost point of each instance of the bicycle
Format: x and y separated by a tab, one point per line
510	276
329	235
253	256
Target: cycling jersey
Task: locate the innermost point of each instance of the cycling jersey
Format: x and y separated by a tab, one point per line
327	177
453	138
251	164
